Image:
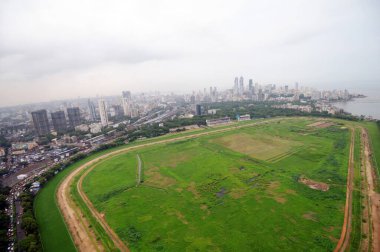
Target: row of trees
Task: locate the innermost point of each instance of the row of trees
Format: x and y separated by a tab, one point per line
265	110
4	218
31	242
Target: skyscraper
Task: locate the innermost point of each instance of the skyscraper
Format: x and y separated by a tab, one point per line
286	88
126	102
92	109
199	109
103	112
296	86
41	122
59	121
74	117
241	85
116	111
236	85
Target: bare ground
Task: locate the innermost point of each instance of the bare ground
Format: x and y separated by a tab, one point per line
314	184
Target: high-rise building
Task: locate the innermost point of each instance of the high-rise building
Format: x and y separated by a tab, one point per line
236	85
116	111
126	102
296	86
250	86
192	99
74	117
41	122
286	88
199	109
241	85
103	113
92	109
59	121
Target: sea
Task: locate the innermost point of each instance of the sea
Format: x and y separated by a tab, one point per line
368	106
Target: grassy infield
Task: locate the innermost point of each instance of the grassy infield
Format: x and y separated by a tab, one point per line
200	191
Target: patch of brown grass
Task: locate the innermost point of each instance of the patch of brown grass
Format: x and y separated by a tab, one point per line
193	189
237	193
280	199
260	147
310	216
155	178
290	191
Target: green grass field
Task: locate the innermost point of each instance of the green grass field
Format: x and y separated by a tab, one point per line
222	192
53	232
374	133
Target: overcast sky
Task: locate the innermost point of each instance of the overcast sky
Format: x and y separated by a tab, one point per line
65	49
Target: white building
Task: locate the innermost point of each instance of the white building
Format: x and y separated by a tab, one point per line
82	127
244	117
103	112
95	128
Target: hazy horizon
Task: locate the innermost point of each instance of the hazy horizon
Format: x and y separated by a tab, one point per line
62	50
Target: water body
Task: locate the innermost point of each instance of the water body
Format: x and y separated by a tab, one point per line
369	106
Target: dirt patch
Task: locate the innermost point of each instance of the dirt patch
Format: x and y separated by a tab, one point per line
274	185
310	216
314	184
179	189
237	193
290	191
205	208
193	189
280	200
180	216
321	124
155	178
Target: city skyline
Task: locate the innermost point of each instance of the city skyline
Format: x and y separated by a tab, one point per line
95	52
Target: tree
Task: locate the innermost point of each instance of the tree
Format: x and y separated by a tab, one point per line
29	224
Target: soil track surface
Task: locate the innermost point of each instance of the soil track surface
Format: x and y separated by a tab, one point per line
344	240
84	238
373	196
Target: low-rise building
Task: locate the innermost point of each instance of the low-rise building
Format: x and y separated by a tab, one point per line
246	117
219	121
82	127
95	128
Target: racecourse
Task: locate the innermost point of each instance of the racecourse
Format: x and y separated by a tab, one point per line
190	183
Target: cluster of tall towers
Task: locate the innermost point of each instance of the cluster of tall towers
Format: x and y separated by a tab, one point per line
58	118
239	87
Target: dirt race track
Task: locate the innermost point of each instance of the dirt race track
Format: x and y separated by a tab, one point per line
346	228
